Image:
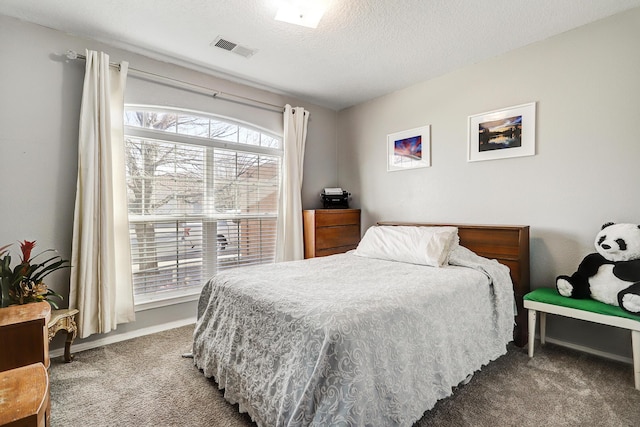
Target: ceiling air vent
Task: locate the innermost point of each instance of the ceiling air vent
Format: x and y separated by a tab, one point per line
230	46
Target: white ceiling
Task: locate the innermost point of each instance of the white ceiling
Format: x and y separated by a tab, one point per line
361	49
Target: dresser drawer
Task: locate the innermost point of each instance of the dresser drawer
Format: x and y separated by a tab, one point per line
333	251
331	237
326	218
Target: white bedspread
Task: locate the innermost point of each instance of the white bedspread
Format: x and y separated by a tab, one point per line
346	340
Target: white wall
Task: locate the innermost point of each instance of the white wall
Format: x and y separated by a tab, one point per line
587	87
40	96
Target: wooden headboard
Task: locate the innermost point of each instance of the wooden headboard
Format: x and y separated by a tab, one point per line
509	245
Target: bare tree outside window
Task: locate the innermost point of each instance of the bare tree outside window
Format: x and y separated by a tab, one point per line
178	190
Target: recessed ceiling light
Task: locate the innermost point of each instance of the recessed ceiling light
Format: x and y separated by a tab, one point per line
302	12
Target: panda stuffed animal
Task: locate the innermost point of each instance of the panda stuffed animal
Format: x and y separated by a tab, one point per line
612	275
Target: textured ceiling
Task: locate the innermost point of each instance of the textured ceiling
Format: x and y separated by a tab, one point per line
361	49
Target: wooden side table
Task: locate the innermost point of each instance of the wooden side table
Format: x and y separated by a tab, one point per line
64	320
330	231
24	396
23	335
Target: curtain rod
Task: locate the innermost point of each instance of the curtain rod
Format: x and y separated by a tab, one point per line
186	85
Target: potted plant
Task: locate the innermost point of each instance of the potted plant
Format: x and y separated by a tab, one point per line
23	283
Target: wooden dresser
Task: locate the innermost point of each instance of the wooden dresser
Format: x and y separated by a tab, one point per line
330	231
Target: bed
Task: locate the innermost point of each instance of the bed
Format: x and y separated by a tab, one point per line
356	340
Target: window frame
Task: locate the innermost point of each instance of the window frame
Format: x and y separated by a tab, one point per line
177	296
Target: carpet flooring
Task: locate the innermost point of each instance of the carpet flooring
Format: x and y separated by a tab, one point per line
146	382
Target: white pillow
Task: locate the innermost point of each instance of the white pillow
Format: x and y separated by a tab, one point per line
412	244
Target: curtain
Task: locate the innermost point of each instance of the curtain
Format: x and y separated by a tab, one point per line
101	280
289	238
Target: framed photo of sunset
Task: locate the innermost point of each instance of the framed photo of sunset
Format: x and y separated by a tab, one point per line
500	134
409	149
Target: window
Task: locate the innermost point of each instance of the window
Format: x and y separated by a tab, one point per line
203	197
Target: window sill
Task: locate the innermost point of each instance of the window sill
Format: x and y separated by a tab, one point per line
170	298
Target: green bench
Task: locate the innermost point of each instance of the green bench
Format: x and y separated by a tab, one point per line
547	300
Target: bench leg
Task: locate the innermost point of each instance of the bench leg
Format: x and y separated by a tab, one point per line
532	330
543	328
635	344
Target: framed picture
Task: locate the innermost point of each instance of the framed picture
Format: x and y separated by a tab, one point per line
501	134
409	149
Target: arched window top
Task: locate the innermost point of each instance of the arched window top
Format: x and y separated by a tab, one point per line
200	125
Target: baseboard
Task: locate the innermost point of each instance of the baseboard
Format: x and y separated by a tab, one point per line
589	350
110	339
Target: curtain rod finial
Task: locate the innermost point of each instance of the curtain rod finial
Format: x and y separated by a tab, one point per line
72	54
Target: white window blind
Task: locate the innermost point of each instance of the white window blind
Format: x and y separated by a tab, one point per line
203	195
